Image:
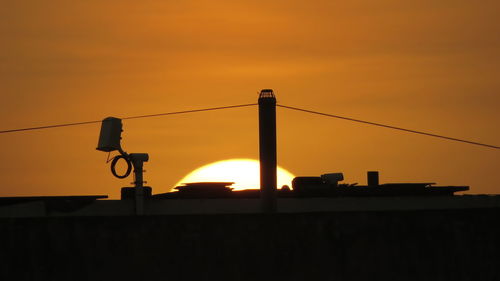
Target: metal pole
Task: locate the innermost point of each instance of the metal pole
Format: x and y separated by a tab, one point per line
267	145
138	160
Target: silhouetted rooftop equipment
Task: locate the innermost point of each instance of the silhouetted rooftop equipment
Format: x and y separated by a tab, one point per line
266	93
110	135
267	149
205	186
322	187
332	178
372	178
326	185
110	140
203	190
215	190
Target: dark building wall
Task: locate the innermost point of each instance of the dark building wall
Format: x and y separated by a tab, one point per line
398	245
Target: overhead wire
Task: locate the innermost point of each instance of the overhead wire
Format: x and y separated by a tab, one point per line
387	126
189	111
49	126
253	104
127	118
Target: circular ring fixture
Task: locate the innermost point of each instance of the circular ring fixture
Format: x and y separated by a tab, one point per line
113	164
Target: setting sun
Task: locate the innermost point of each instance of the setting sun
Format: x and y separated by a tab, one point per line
243	172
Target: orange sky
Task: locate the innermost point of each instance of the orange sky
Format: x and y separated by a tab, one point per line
425	65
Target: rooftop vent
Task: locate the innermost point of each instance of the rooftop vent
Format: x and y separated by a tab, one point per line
266	93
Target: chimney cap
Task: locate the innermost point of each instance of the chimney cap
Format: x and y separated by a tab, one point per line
266	93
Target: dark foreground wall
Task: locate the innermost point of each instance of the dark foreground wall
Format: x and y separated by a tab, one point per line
399	245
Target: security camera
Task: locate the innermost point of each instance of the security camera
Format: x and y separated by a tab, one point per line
110	140
110	136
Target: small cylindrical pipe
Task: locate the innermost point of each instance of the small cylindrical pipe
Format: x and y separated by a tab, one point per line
372	178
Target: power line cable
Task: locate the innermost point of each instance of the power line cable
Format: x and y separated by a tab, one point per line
49	126
252	104
126	118
387	126
188	111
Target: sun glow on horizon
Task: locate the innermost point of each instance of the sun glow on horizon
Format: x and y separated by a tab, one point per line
245	173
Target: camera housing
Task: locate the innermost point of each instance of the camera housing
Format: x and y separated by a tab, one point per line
110	135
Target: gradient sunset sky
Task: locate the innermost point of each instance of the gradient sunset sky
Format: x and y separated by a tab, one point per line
424	65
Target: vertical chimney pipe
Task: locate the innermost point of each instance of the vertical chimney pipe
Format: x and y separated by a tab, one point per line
372	178
267	149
